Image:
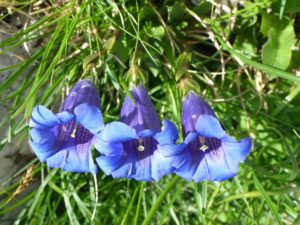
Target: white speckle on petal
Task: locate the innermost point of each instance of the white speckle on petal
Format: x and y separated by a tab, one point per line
85	85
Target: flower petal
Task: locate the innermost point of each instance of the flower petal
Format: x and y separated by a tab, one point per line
132	164
83	92
202	171
117	132
169	133
90	117
124	171
190	137
186	167
209	126
42	142
142	115
99	144
43	118
65	117
236	151
146	133
112	157
76	158
214	167
161	165
192	107
170	150
193	165
141	169
115	162
108	163
222	164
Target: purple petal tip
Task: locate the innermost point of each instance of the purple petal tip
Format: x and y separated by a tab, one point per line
142	115
83	92
192	107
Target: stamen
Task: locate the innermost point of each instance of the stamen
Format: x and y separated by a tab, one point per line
141	147
203	147
73	135
202	140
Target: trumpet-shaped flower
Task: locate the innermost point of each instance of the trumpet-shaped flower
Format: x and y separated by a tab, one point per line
134	148
209	153
64	140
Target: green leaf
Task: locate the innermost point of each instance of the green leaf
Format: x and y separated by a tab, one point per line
182	65
158	32
268	200
290	6
88	59
122	48
70	211
158	202
177	12
277	51
267	23
246	42
146	13
203	8
110	42
155	32
272	71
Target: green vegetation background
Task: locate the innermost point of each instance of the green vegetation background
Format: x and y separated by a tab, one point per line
242	56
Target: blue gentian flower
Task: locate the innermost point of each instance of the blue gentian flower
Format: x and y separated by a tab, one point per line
64	140
209	153
134	148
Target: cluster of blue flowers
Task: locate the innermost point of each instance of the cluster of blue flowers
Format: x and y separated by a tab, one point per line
137	147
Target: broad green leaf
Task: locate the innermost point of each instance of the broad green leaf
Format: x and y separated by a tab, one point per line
267	23
290	6
294	65
246	42
271	70
203	8
155	32
122	48
146	13
252	9
277	51
176	12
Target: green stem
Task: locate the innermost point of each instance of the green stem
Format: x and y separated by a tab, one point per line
159	200
129	206
268	200
139	203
